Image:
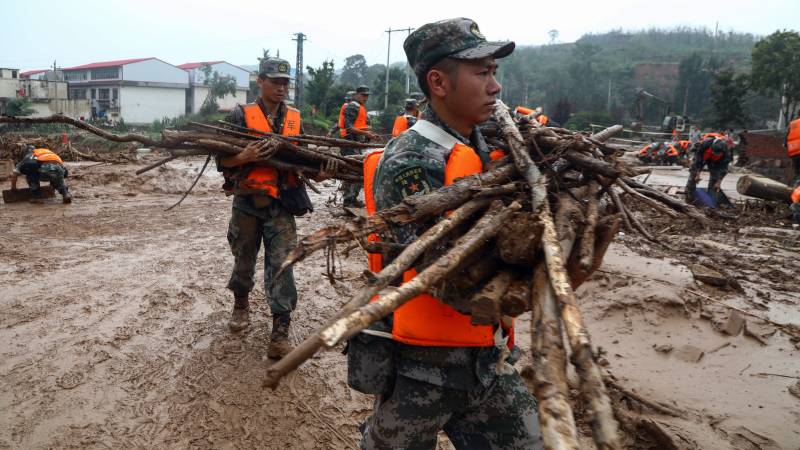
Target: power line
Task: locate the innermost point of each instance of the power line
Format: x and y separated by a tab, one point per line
388	52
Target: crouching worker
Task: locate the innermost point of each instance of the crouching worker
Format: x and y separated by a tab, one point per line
428	366
41	164
714	153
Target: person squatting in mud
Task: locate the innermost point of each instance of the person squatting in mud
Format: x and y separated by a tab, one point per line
265	203
41	164
430	368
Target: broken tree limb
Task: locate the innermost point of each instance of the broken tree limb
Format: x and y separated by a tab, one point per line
485	304
391	272
587	238
322	140
621	209
477	237
606	134
60	118
649	201
185	194
591	164
604	426
673	203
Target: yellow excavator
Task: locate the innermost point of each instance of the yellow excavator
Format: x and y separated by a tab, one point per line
671	122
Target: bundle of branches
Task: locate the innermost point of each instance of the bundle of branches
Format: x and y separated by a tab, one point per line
502	252
302	154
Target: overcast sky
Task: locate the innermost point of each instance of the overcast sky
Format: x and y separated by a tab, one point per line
36	32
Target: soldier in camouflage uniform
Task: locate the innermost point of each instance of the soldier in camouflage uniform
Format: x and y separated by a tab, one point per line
471	393
357	132
257	218
36	171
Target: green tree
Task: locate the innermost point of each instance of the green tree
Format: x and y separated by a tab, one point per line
218	87
19	107
354	72
728	95
776	68
320	81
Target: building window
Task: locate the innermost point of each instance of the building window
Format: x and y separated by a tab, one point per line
103	94
75	76
114	94
77	94
106	73
94	94
13	73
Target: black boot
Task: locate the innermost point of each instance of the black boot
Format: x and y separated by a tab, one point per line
240	316
279	345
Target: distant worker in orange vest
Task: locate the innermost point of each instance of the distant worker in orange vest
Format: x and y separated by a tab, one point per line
265	201
354	125
430	368
407	119
537	115
793	146
334	131
41	164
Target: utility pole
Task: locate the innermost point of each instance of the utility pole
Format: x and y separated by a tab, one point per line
298	83
608	103
388	52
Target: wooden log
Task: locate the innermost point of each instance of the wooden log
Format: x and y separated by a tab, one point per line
671	202
391	272
645	199
60	118
601	417
588	236
608	133
475	239
519	239
25	194
764	188
485	304
621	209
591	164
517	298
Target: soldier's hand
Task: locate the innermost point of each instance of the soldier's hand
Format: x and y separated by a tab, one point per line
328	169
250	153
372	136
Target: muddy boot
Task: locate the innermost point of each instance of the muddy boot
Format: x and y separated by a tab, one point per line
67	198
279	345
240	317
37	200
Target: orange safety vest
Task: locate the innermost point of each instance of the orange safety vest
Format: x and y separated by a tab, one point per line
361	120
709	155
425	320
684	145
266	178
45	155
400	125
544	120
793	139
714	135
796	195
645	151
523	111
671	150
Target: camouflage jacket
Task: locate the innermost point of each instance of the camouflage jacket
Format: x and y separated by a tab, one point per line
350	116
413	165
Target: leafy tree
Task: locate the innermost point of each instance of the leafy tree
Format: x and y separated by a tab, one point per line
776	65
218	87
728	92
20	106
320	81
354	72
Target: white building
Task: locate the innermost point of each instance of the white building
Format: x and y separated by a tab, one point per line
135	90
198	91
9	83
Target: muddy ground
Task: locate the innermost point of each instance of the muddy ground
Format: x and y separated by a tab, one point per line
113	323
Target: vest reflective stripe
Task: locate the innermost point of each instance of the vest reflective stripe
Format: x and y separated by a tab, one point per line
793	139
45	155
714	135
400	125
375	260
265	178
796	195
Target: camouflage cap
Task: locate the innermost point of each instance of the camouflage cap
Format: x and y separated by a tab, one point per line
455	38
411	103
362	90
274	68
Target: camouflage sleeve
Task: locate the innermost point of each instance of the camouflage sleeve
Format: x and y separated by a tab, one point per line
350	115
697	161
403	175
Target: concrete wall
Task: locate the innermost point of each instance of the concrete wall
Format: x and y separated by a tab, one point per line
242	76
72	108
43	89
226	103
142	105
9	87
154	70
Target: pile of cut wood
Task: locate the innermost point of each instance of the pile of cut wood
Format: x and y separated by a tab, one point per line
518	237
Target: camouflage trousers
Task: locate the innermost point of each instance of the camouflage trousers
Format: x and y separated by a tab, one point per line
54	173
276	228
691	184
502	416
349	190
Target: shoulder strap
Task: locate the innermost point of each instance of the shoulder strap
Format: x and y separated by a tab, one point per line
433	133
